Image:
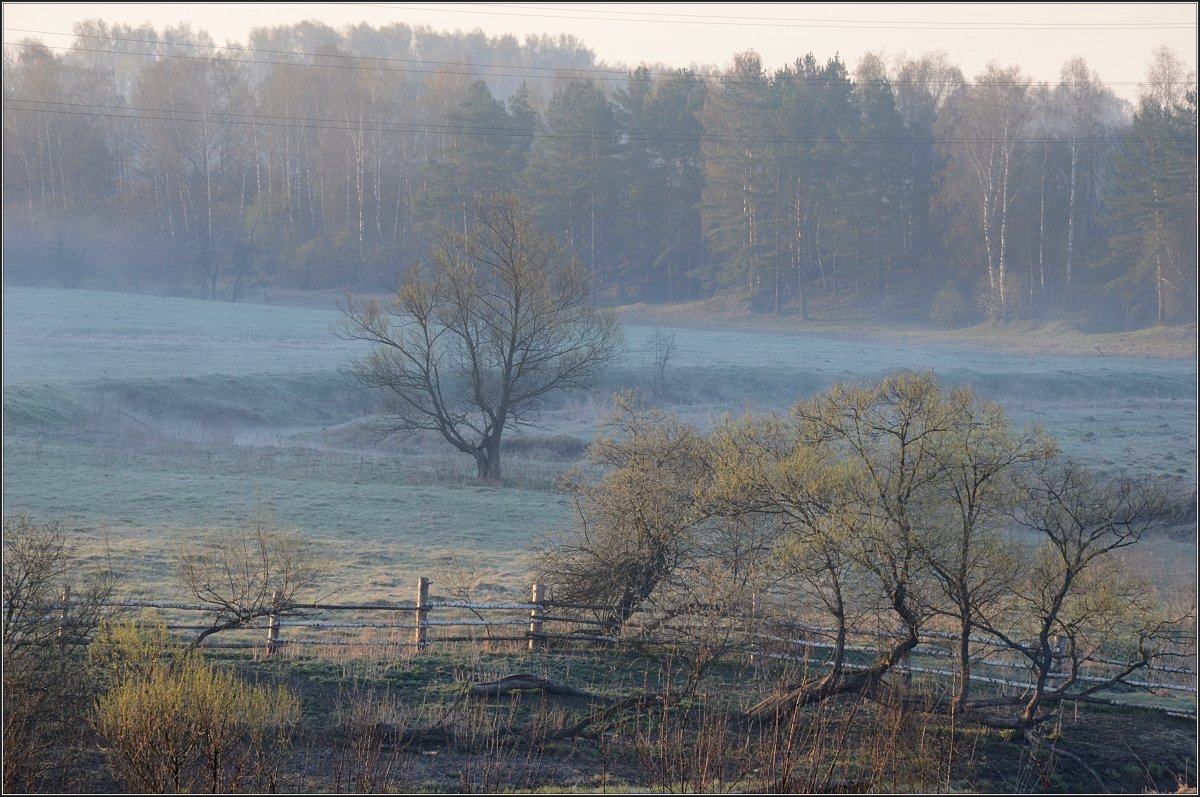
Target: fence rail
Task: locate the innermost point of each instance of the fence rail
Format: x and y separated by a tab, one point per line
411	627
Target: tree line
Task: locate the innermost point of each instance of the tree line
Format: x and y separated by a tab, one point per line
315	158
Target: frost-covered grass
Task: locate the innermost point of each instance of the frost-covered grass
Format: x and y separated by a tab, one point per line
147	418
54	336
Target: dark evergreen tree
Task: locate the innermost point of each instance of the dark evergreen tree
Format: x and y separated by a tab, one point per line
476	163
1154	213
741	183
878	194
524	123
571	176
660	183
922	87
154	157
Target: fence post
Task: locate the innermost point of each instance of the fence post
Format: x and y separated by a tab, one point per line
536	596
422	611
273	625
63	613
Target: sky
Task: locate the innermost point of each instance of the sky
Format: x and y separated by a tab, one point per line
1118	40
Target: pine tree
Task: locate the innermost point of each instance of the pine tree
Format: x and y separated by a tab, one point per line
740	181
1154	209
570	178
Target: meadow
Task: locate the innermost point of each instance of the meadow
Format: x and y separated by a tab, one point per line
145	420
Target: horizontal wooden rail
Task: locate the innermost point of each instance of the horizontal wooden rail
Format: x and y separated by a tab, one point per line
425	621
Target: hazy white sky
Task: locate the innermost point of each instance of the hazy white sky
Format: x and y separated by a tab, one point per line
1117	39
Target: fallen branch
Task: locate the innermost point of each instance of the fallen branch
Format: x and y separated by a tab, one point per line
602	716
523	682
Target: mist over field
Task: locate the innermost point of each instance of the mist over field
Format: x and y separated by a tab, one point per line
350	371
889	193
147	418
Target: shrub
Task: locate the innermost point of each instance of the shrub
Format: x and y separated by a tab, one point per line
174	723
52	605
951	309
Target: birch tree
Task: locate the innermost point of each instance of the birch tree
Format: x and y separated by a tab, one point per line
980	134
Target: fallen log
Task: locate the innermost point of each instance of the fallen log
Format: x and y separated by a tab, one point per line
526	682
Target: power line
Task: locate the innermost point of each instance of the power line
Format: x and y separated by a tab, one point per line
791	22
183	116
557	72
1050	25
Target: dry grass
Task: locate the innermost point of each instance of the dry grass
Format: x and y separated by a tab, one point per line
1018	337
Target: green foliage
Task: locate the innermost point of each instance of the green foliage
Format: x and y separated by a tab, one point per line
124	650
636	524
891	499
174	723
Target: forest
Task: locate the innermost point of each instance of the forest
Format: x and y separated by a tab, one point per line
314	158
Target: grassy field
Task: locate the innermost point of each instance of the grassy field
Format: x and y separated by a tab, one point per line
146	423
144	419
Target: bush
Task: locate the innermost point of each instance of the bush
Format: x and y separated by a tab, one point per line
47	687
951	309
174	723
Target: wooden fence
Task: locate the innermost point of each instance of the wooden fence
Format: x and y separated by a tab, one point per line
414	627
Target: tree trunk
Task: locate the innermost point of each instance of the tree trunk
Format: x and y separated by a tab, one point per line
1029	713
780	705
1042	231
1071	210
1003	209
487	459
964	660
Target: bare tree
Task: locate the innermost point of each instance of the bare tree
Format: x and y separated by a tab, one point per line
254	571
654	550
979	458
475	343
853	488
981	129
1085	108
661	348
53	604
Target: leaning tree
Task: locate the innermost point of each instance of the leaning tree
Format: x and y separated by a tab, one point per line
475	341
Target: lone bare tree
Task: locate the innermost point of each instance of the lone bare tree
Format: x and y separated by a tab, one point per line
475	342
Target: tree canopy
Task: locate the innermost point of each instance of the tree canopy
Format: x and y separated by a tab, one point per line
823	183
